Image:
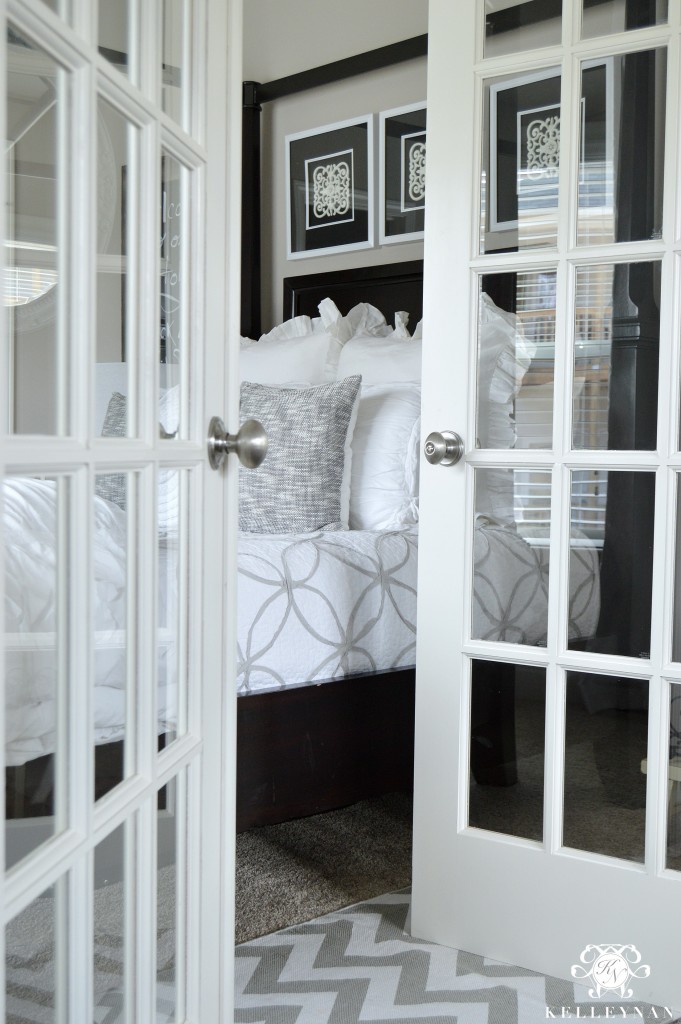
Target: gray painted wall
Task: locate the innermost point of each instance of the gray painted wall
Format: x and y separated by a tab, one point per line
282	37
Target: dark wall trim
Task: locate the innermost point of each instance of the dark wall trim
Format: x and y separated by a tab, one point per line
257	93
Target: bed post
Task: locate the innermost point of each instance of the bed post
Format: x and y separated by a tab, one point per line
250	212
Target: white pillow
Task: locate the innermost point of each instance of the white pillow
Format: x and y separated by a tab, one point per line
504	355
385	457
393	359
297	353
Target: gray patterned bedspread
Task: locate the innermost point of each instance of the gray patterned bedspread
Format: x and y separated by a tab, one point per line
324	605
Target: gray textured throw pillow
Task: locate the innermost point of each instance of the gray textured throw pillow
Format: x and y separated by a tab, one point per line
113	486
297	489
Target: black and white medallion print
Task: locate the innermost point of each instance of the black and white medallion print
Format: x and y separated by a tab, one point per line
414	171
361	964
329	182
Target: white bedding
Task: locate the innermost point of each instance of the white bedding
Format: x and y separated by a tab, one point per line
310	607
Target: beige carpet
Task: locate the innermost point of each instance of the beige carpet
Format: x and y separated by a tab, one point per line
290	873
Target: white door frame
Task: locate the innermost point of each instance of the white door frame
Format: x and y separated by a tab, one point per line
532	905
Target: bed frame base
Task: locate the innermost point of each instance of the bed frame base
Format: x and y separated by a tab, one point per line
319	747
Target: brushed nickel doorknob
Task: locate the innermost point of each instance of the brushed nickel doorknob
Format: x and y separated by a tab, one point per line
249	445
443	449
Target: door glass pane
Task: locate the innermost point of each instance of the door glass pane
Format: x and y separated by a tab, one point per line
170	894
676	628
674	781
613	518
516	352
117	219
176	22
606	742
508	705
113	28
36	92
111	648
616	366
31	962
510	582
174	313
622	148
511	27
521	162
602	17
173	496
36	516
109	928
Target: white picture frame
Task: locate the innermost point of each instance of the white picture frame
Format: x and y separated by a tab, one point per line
401	173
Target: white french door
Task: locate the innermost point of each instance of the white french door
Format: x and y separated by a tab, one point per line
548	800
120	264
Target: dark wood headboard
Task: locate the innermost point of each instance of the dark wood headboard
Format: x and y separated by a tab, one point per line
389	287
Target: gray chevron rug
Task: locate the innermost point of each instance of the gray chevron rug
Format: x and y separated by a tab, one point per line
361	965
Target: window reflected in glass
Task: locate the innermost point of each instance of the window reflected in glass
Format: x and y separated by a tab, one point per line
508	708
512	27
622	148
616	364
521	164
605	17
36	93
606	743
36	565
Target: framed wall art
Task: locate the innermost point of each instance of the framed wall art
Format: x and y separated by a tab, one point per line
330	189
402	173
524	147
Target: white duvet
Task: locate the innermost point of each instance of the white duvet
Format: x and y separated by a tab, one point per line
310	608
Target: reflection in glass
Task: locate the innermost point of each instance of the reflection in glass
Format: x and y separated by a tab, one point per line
617	341
175	31
510	580
174	187
676	628
508	705
110	564
170	889
109	931
113	27
173	490
509	28
36	90
674	780
36	556
516	352
606	742
116	224
622	148
32	986
521	162
612	519
604	17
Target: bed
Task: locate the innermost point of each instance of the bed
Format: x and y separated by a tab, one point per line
324	717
